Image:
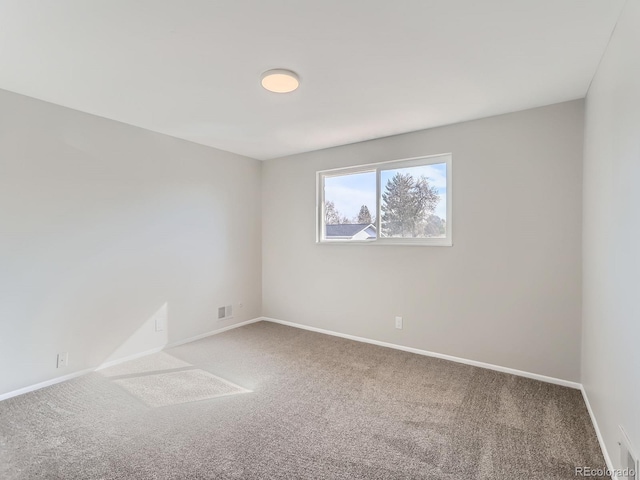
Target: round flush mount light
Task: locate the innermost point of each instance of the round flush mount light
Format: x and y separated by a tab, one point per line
280	80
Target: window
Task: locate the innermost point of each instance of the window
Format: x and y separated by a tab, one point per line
402	202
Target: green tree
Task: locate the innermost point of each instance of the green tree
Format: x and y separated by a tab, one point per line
364	216
406	205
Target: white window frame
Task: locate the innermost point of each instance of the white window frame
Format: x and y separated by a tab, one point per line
445	158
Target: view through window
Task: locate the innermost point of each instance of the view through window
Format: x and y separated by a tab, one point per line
405	201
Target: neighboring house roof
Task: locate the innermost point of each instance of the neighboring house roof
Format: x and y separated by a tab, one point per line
347	230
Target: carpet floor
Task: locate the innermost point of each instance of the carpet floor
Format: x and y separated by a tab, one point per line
267	401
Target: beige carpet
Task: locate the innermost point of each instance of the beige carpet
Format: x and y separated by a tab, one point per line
267	402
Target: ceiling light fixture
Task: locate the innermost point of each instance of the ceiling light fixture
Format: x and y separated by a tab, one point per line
280	81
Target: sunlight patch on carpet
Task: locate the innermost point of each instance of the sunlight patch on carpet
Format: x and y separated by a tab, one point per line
146	364
173	388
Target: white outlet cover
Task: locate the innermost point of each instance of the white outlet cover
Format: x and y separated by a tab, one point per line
63	360
399	323
159	324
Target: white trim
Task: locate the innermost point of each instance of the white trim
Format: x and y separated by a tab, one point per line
603	447
46	383
118	361
475	363
627	448
370	167
378	167
212	332
535	376
379	202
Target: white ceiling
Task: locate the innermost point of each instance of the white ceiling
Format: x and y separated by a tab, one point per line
191	68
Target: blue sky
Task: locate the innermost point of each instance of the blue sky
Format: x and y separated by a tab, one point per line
350	192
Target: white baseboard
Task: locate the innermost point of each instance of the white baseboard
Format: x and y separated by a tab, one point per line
213	332
603	447
46	383
512	371
118	361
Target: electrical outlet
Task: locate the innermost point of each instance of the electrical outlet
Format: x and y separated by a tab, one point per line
399	323
159	324
63	360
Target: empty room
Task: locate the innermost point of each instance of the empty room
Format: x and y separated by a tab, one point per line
319	239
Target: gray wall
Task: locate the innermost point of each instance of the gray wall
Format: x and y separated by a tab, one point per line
611	330
104	227
508	291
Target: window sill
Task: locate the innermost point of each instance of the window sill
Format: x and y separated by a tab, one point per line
435	242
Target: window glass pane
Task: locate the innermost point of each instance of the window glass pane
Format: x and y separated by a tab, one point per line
350	206
413	202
